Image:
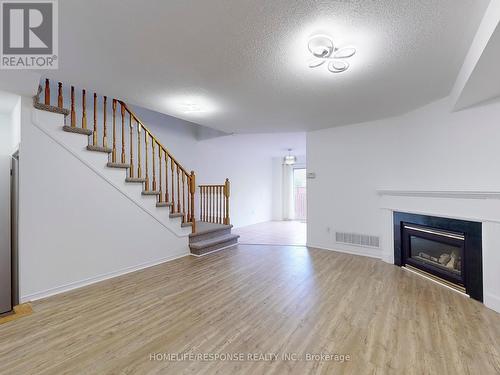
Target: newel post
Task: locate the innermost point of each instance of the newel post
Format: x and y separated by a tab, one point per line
192	190
227	193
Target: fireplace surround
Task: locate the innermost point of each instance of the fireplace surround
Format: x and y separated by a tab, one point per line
447	250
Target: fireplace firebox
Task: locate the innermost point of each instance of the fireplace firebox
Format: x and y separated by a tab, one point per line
447	250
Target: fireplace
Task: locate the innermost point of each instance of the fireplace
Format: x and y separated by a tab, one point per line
446	250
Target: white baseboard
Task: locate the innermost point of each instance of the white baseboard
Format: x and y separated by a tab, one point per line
388	258
491	301
366	252
96	279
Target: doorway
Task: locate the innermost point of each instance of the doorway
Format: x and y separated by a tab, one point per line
288	226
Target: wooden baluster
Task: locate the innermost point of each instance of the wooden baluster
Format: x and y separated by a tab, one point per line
47	92
139	146
84	109
160	176
123	132
105	130
211	202
192	190
113	152
223	206
217	203
166	177
172	180
207	197
153	156
183	197
60	95
131	163
188	187
94	138
219	214
227	193
178	188
201	203
146	141
73	112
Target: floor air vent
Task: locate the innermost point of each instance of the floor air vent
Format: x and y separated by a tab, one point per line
357	239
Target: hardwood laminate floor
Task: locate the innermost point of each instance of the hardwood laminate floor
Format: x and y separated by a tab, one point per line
292	233
265	300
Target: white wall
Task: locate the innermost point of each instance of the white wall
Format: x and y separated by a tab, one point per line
246	159
250	173
75	226
428	149
277	200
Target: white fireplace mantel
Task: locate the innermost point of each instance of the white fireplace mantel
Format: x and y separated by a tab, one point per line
481	206
457	194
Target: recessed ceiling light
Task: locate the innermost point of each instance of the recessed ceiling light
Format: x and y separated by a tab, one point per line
192	108
191	105
323	50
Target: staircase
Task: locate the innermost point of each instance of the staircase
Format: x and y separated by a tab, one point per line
130	145
211	237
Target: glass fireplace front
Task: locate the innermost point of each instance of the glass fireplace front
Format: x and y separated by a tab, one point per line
435	251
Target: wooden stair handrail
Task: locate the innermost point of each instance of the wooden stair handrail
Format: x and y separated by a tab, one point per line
180	196
150	133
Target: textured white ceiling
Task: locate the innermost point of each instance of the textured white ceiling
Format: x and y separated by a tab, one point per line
248	58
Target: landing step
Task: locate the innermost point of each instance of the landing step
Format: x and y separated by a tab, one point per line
118	165
213	244
178	214
213	241
99	149
187	224
71	129
163	204
50	108
218	228
151	192
135	180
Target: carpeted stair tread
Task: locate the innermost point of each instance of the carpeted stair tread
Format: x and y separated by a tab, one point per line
71	129
99	149
118	165
213	241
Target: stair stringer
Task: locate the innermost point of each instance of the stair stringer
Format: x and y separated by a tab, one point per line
51	124
75	227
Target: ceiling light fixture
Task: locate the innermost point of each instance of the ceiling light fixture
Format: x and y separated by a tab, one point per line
191	105
324	50
289	159
192	108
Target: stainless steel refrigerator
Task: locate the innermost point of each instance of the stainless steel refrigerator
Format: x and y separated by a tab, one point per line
8	233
